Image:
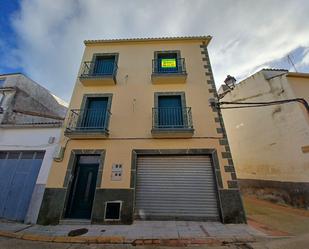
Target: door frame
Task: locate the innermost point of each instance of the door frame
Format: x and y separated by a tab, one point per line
212	152
68	180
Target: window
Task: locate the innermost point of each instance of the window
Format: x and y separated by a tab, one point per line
21	155
170	111
95	112
92	120
94	115
170	116
104	65
101	70
168	62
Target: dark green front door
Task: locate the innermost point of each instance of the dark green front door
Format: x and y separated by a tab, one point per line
82	191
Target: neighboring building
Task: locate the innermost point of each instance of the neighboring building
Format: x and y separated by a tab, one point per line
30	127
270	145
142	141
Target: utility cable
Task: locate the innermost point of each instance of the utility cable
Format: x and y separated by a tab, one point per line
261	104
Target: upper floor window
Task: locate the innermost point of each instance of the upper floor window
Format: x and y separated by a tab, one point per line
102	69
168	67
104	65
170	111
171	116
168	62
94	114
92	119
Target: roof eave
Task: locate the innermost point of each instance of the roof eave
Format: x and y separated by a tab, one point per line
206	39
298	75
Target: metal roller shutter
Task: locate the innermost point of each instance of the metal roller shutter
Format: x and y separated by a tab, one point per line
176	187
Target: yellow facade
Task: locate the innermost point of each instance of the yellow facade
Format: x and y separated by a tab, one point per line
132	102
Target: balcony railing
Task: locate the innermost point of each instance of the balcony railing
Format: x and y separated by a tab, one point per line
98	72
95	69
172	118
176	66
167	71
88	121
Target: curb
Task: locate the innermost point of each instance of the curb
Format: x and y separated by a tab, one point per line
173	242
65	239
177	242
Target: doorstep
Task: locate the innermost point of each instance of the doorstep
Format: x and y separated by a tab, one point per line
74	222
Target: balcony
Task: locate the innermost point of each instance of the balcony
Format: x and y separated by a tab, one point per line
172	122
168	71
96	73
88	123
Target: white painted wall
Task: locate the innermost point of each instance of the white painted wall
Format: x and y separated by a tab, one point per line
32	139
266	142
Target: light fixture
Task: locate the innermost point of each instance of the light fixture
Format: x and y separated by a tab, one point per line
230	81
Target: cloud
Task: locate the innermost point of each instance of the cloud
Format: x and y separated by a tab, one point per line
305	59
247	34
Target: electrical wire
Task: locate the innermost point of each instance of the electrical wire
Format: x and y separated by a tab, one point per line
245	106
261	104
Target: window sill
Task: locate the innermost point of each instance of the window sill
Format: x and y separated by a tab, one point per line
172	132
163	78
97	80
85	134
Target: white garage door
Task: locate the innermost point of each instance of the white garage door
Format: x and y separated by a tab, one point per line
176	187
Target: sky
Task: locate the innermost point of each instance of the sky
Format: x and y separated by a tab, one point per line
44	38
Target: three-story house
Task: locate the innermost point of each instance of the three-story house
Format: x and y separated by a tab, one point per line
141	140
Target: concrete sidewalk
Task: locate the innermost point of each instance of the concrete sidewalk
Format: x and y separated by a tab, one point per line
139	233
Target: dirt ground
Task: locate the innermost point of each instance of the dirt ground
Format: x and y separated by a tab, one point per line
276	219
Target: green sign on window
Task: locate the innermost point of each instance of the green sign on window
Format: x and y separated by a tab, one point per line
168	63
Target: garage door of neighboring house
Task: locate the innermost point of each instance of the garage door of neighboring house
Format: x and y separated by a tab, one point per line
176	187
18	173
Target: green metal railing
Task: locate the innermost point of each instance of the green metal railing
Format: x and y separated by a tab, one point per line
178	66
172	118
88	120
99	69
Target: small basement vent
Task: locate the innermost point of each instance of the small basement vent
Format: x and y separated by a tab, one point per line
112	210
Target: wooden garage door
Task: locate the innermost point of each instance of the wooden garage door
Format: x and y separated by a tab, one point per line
176	187
18	173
